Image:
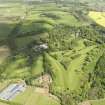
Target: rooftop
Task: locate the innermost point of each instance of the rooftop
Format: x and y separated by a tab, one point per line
11	91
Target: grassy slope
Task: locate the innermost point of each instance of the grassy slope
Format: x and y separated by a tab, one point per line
73	75
58	71
61	75
74	69
7	21
37	68
18	68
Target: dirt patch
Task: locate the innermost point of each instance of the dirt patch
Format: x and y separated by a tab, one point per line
45	80
41	90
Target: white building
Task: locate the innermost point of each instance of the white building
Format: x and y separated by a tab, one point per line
44	46
12	91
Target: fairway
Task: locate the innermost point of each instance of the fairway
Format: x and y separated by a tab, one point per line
98	102
37	67
74	67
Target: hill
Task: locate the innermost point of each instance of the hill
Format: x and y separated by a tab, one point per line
57	51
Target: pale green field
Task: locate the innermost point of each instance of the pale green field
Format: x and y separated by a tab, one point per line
30	97
3	103
98	102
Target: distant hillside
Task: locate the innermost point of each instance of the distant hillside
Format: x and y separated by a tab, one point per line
14	1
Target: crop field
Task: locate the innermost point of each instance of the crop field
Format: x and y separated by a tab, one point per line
98	17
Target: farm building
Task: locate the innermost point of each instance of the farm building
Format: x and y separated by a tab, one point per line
11	91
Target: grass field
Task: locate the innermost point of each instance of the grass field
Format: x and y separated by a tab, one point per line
19	68
38	66
1	103
98	17
98	102
30	97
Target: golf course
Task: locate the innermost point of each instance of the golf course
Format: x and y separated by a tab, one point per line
52	52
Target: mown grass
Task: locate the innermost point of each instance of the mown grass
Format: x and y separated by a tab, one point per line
38	66
57	70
